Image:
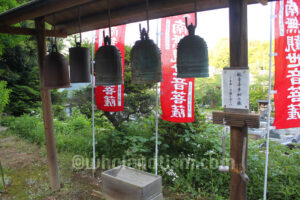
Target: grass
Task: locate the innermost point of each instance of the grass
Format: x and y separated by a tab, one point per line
26	173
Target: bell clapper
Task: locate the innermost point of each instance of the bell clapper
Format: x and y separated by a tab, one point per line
243	174
223	167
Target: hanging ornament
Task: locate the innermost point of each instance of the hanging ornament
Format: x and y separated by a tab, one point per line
145	58
108	66
192	54
56	69
79	61
223	167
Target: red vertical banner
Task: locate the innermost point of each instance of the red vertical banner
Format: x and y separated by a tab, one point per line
287	64
177	94
111	98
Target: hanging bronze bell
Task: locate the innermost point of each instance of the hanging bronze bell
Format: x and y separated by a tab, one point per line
80	64
145	60
108	66
192	55
56	70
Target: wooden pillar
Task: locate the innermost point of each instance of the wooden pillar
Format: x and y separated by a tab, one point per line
47	107
238	58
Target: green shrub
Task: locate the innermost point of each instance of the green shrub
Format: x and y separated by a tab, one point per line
189	153
28	127
4	95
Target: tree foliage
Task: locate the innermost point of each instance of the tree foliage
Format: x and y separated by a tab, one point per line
258	58
6	40
18	66
208	91
258	90
219	56
4	96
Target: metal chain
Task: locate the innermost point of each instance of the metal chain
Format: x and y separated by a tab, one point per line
79	23
223	143
108	7
195	4
54	27
147	15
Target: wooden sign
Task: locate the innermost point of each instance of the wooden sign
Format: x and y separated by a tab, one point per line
235	88
236	119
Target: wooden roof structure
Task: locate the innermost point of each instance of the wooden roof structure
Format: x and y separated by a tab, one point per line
93	13
63	14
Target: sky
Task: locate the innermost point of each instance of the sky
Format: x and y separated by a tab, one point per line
212	26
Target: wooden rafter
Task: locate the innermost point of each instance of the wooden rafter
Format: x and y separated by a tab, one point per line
136	12
30	31
37	8
94	12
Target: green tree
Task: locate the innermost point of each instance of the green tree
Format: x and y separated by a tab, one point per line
208	91
6	40
219	55
82	99
4	96
258	90
59	102
258	58
18	67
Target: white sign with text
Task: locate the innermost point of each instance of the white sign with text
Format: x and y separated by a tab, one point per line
235	88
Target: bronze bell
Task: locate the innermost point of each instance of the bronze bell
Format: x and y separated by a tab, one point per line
108	66
145	60
192	55
56	70
80	64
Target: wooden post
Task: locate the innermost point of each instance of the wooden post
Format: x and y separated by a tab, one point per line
238	58
47	107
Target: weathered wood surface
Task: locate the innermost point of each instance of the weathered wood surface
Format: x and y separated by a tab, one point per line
30	31
94	12
37	9
236	119
47	107
238	58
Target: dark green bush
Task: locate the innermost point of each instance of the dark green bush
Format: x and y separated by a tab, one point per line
189	153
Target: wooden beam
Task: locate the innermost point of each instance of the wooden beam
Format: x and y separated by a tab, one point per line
135	13
37	8
30	31
236	119
238	58
47	107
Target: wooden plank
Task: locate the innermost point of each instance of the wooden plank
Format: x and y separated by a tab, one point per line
131	11
238	34
30	31
238	58
47	107
238	188
136	12
236	119
36	9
